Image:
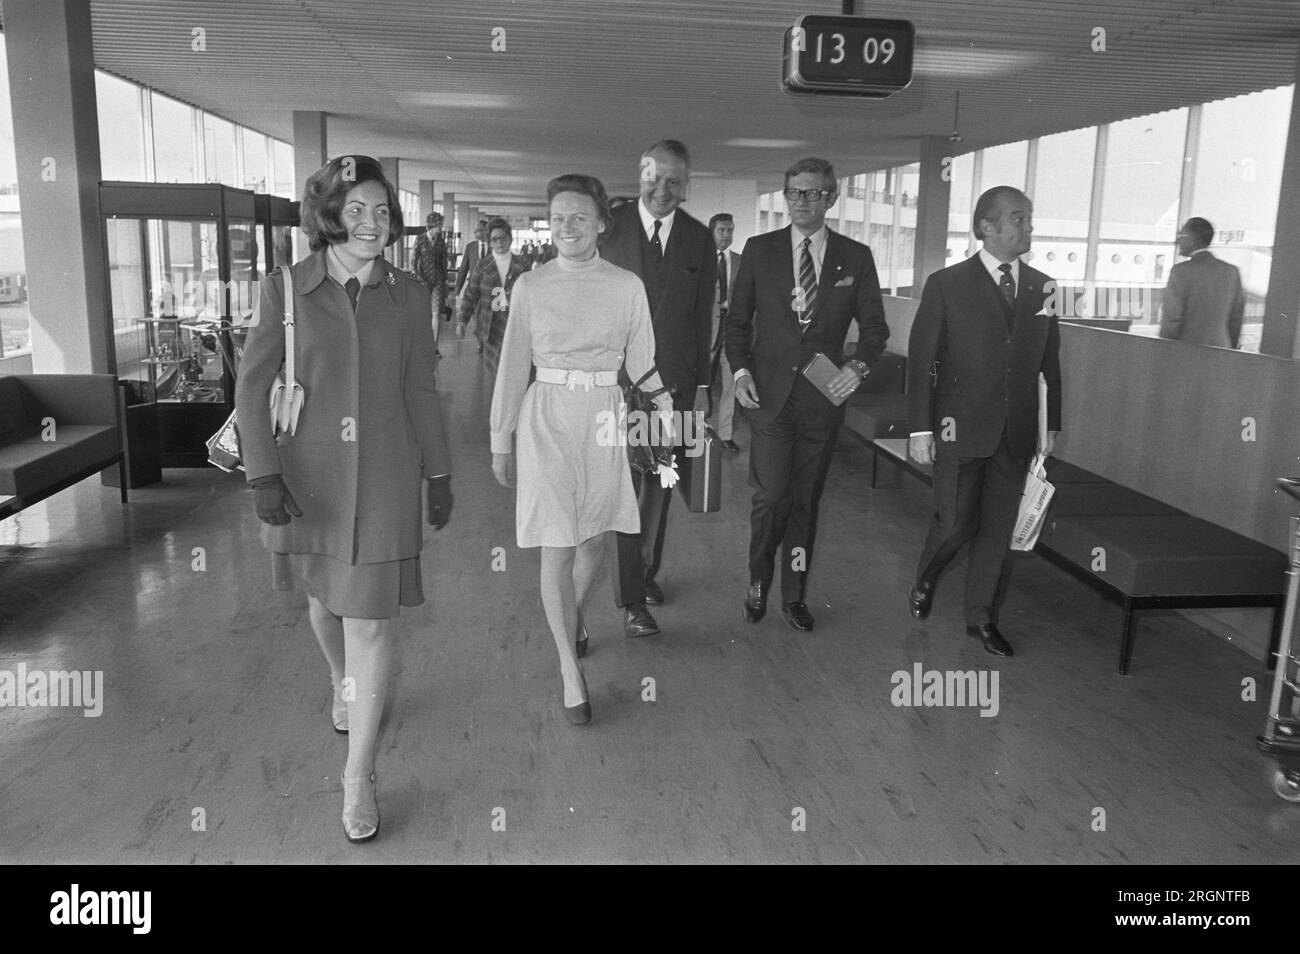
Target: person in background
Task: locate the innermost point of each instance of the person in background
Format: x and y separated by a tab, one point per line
340	498
430	266
1204	302
723	227
798	290
474	253
579	320
487	293
981	337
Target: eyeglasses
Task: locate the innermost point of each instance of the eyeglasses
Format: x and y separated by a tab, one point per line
811	195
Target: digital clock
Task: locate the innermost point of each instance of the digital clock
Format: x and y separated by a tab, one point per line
852	56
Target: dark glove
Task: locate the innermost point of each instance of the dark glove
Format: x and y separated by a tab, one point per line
272	500
437	494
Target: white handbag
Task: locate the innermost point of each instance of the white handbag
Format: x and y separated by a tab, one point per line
287	395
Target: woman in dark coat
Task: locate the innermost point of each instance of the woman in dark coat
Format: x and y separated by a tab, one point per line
341	497
487	293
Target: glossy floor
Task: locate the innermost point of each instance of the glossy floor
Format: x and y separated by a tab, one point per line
716	741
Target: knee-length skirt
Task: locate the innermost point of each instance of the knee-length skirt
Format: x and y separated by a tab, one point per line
358	591
572	475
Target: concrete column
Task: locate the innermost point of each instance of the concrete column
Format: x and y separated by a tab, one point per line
56	145
1095	203
309	147
428	197
933	195
449	211
1283	300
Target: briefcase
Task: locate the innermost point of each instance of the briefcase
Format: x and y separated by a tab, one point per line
701	482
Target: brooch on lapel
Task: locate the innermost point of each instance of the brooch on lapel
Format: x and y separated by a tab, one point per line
392	279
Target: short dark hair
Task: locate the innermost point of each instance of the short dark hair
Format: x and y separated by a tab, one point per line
814	164
986	203
496	222
433	218
674	148
583	184
327	190
720	217
1200	229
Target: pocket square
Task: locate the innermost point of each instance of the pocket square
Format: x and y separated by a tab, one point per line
844	282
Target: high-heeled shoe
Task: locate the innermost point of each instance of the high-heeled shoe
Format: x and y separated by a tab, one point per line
580	644
581	713
360	808
339	711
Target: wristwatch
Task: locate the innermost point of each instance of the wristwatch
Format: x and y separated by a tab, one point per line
860	366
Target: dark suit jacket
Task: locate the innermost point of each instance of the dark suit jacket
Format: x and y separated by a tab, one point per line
683	315
985	376
763	333
1204	302
467	263
718	334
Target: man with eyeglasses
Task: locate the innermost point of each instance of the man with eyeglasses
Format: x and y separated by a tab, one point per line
1204	302
796	293
672	253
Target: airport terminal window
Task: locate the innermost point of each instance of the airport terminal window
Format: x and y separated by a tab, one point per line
1062	196
15	318
1143	179
1004	165
282	153
173	140
219	151
121	128
255	166
1237	179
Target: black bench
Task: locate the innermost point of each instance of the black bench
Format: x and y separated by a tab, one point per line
1137	550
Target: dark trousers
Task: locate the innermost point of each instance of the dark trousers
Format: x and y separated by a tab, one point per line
977	499
788	460
640	554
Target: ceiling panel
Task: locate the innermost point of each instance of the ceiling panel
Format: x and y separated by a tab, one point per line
586	85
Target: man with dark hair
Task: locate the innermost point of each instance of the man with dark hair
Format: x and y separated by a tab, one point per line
672	253
723	227
1204	302
797	290
430	266
474	253
980	339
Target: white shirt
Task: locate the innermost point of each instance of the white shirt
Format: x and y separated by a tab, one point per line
336	270
503	264
817	249
648	223
994	268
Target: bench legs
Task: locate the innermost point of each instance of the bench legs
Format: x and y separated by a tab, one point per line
1126	640
121	474
875	462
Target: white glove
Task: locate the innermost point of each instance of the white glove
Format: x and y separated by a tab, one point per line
668	475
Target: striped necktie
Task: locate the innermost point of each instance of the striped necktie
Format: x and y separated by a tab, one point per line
808	283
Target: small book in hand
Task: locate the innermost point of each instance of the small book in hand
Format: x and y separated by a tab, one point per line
820	370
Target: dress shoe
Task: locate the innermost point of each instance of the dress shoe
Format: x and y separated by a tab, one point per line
993	641
339	711
360	808
919	598
730	445
755	605
581	713
653	594
637	621
797	615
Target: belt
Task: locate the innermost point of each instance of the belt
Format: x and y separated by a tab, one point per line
575	379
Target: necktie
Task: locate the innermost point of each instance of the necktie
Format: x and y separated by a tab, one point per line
353	288
722	277
1007	286
654	240
808	282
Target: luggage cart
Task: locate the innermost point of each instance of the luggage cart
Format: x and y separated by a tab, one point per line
1281	738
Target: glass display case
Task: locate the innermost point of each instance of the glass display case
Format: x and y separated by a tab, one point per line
277	217
182	265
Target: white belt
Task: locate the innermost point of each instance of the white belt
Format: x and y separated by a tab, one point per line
575	379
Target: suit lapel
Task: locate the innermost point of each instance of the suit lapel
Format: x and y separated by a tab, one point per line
1028	293
832	272
988	291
